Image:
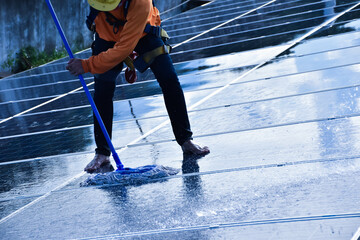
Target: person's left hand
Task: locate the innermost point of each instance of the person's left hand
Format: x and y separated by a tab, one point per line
75	67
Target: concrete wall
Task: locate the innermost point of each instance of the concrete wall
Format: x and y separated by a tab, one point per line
25	23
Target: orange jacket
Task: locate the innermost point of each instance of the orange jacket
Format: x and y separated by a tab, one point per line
140	13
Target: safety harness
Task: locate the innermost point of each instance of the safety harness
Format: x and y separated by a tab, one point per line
142	62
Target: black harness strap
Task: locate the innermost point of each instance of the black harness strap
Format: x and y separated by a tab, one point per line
126	8
156	31
91	18
113	21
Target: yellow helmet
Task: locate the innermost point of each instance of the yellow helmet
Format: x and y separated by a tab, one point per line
104	5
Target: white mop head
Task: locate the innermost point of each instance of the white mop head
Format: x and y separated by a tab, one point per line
131	176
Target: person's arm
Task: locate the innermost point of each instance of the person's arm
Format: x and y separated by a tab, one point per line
133	30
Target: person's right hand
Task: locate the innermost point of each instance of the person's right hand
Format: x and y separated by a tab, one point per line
75	67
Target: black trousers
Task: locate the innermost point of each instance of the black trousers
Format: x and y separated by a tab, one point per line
165	73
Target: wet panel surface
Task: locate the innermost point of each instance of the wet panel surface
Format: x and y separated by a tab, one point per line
211	199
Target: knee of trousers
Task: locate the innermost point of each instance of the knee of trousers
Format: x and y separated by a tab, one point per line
169	82
164	71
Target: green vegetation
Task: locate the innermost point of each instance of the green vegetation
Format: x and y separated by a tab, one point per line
29	57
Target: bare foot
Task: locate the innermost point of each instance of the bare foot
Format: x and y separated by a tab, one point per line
100	164
191	148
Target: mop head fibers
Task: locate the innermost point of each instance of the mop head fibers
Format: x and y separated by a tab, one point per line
131	176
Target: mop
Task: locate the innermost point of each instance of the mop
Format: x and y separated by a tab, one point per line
122	175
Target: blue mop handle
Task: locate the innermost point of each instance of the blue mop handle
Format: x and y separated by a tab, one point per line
119	165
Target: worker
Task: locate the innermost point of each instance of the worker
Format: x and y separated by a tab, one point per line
119	27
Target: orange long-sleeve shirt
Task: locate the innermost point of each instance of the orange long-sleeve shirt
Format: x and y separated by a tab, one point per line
140	13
